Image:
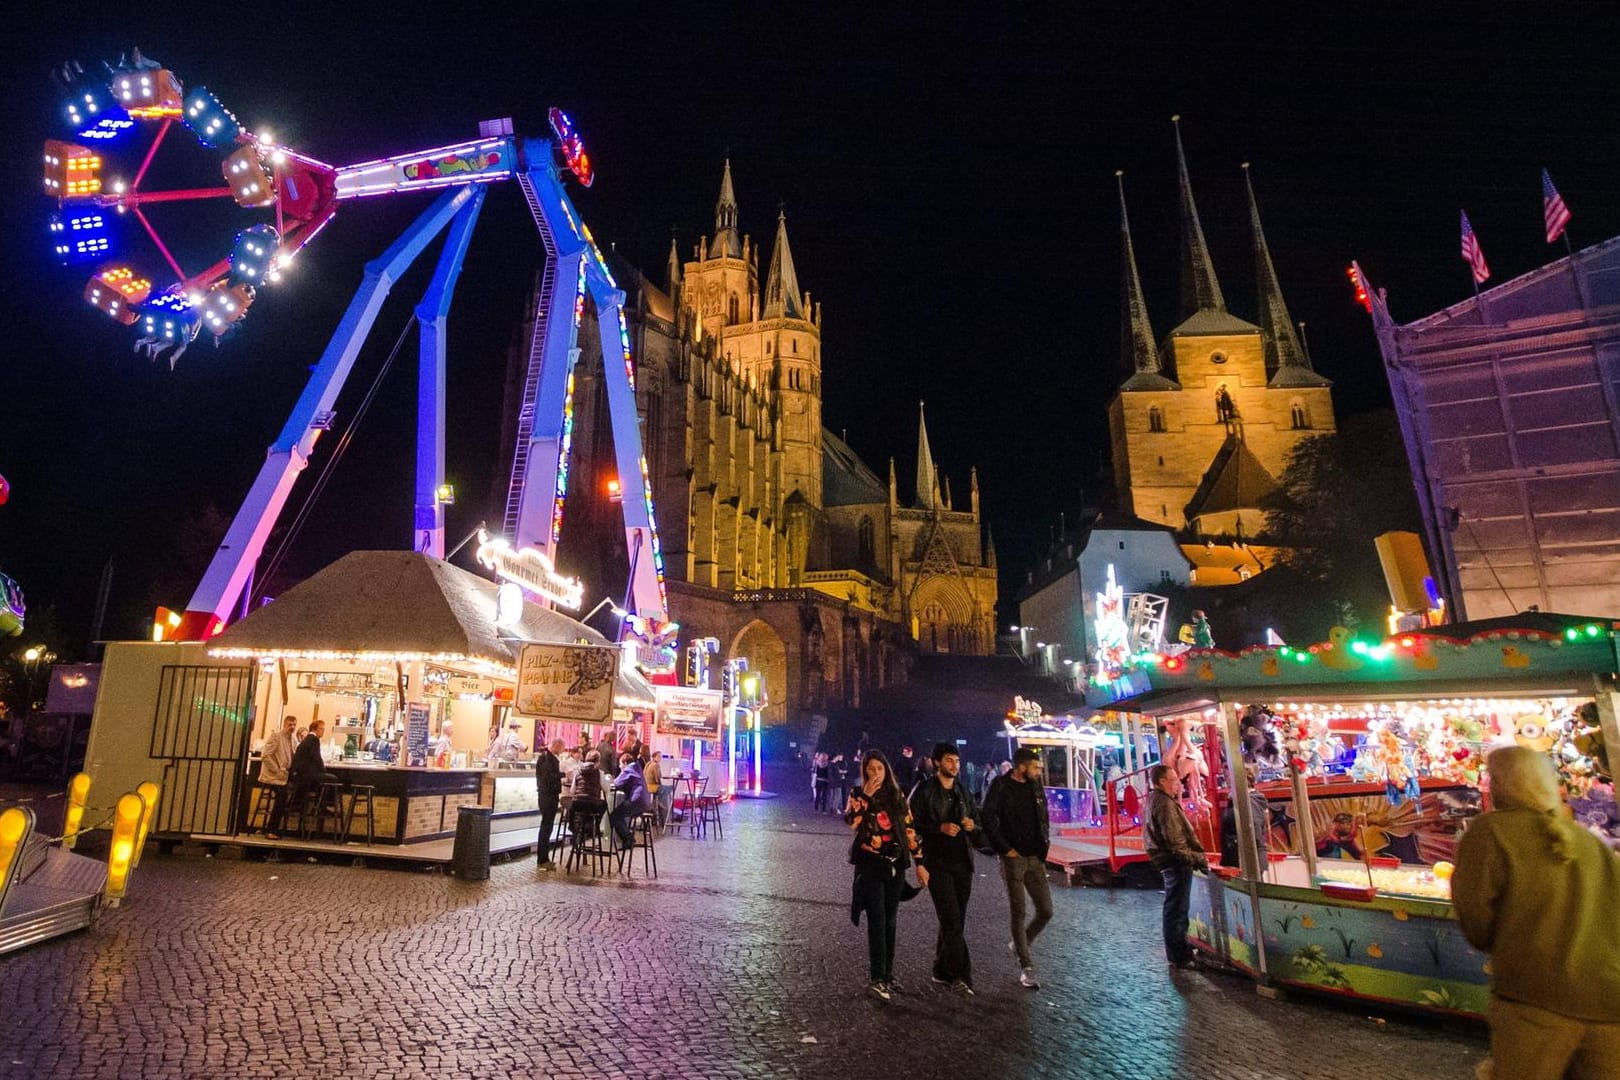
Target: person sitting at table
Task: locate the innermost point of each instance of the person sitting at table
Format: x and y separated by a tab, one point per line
634	798
589	801
652	771
308	768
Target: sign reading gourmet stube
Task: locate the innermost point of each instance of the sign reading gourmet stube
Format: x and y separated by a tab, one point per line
686	712
567	682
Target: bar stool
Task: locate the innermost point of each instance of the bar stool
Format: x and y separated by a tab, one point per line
709	810
642	829
586	841
357	793
327	803
264	796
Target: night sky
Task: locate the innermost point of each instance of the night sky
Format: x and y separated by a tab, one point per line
949	186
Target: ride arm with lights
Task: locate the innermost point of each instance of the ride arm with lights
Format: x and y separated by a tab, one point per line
233	563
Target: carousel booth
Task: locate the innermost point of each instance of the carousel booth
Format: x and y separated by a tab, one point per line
401	655
1094	772
1343	775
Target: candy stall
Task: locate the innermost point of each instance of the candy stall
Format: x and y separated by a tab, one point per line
1356	765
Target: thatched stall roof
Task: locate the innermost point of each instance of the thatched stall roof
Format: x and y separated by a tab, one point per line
386	606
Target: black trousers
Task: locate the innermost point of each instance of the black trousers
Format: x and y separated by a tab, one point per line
548	825
879	898
950	883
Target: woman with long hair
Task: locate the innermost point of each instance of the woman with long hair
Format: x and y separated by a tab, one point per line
884	845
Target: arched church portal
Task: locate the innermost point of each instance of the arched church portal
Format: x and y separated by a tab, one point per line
767	655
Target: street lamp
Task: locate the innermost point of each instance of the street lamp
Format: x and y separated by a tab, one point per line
33	657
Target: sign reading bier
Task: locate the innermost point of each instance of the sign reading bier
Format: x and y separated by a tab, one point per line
687	712
567	682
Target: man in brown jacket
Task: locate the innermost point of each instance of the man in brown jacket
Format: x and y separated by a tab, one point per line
1175	852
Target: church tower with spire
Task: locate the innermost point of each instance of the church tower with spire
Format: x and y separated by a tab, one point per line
1205	420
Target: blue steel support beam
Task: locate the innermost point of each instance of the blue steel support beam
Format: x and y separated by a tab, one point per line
233	563
647	594
431	315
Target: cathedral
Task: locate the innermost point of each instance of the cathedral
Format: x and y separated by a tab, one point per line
777	538
1203	424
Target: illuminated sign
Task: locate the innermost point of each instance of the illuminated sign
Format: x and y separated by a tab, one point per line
469	686
687	713
567	682
651	644
531	569
476	162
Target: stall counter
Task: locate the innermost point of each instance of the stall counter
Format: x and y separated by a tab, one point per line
1394	949
409	805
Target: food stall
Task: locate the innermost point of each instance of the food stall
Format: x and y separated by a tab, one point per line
394	650
1369	757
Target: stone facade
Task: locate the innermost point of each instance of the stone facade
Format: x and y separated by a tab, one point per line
777	538
1204	424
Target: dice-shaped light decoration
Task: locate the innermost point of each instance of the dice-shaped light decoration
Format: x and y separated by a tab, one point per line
71	170
92	112
80	235
116	291
254	256
210	121
249	180
171	319
224	305
147	93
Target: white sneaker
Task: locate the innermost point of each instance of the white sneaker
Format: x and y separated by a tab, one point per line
1027	978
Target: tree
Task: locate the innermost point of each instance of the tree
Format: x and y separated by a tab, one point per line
1338	492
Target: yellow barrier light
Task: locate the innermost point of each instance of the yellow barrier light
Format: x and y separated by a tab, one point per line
149	793
15	825
78	793
126	821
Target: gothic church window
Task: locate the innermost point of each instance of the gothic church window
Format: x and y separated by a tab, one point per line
865	545
1155	419
732	310
1299	415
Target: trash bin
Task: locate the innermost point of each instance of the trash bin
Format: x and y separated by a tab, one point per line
469	860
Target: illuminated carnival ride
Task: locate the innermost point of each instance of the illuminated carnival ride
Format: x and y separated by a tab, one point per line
101	176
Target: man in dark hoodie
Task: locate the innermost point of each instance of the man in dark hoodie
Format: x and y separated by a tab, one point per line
944	813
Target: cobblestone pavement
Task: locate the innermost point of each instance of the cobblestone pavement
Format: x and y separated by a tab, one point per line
738	962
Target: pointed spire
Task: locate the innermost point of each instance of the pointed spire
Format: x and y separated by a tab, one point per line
727	242
782	298
894	497
1286	360
927	476
673	270
973	491
989	548
1136	332
945	500
1199	288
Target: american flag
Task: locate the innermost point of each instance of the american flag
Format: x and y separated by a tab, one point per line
1471	253
1553	210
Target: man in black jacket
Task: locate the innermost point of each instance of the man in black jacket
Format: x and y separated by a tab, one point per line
944	814
1017	825
548	781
